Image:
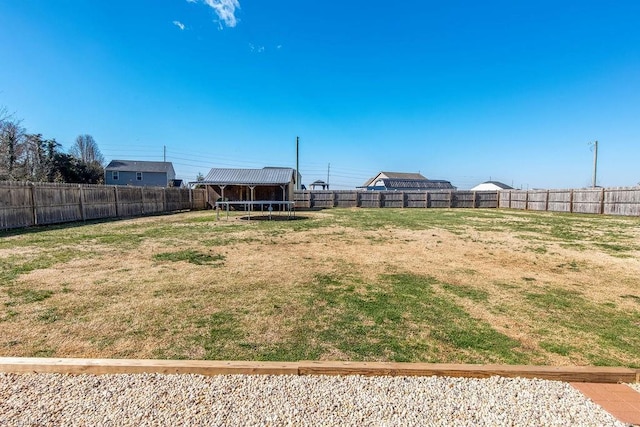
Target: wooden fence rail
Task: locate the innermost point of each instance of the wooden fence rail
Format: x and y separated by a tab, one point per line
24	204
396	199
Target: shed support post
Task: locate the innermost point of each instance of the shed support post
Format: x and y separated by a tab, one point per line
284	194
251	188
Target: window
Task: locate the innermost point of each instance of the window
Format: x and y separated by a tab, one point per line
139	176
114	175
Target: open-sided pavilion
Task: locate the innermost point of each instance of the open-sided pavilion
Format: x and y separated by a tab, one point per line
250	185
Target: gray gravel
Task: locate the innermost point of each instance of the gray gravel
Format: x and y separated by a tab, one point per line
232	400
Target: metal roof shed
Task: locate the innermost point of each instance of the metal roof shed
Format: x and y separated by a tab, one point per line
252	184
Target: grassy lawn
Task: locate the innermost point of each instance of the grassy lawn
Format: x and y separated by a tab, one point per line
467	286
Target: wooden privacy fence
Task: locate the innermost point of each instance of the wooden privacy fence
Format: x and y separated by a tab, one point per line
396	199
607	201
24	204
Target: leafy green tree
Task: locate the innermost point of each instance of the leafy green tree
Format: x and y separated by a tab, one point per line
67	168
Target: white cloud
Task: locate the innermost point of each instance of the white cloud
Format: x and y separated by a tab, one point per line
179	24
225	9
192	1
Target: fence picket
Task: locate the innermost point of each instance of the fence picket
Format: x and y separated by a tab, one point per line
23	204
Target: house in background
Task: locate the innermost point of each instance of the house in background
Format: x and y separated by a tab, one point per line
268	184
139	173
491	186
401	181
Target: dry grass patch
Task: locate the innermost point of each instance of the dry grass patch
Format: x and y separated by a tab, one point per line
473	286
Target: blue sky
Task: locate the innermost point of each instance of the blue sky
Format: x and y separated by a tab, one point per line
463	91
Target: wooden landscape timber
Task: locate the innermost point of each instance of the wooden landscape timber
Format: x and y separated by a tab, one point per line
73	366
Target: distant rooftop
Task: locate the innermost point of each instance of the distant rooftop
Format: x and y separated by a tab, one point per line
139	166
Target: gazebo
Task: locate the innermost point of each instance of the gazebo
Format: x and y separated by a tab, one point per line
319	183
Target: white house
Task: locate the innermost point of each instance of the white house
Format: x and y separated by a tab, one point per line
491	186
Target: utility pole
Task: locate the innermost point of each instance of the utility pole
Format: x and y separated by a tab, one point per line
328	169
297	163
595	163
164	153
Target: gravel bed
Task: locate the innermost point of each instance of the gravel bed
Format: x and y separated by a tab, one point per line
636	387
232	400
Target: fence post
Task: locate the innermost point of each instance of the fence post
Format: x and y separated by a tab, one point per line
379	199
115	193
164	199
474	199
403	195
450	199
571	201
142	200
33	204
526	201
82	212
546	203
510	198
602	202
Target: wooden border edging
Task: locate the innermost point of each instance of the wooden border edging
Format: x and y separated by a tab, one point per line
206	367
139	366
559	373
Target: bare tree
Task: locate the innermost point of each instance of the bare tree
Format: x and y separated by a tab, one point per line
86	150
11	149
38	157
4	115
